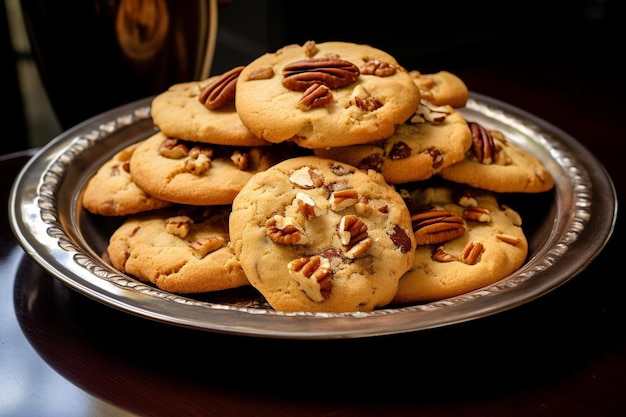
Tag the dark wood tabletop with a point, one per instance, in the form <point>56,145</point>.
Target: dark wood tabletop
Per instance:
<point>563,354</point>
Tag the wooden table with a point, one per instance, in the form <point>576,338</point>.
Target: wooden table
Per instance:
<point>563,354</point>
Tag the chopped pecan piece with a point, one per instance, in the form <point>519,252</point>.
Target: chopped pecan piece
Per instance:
<point>317,95</point>
<point>333,73</point>
<point>205,245</point>
<point>471,252</point>
<point>512,240</point>
<point>341,200</point>
<point>477,214</point>
<point>178,225</point>
<point>367,104</point>
<point>428,112</point>
<point>285,231</point>
<point>173,149</point>
<point>436,226</point>
<point>313,275</point>
<point>352,230</point>
<point>440,255</point>
<point>307,206</point>
<point>307,178</point>
<point>378,68</point>
<point>359,248</point>
<point>310,48</point>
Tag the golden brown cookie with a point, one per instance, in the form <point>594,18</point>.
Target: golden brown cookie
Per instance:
<point>434,138</point>
<point>112,192</point>
<point>197,173</point>
<point>465,240</point>
<point>326,94</point>
<point>441,88</point>
<point>313,234</point>
<point>181,112</point>
<point>181,250</point>
<point>495,164</point>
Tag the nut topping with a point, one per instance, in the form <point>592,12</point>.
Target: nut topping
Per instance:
<point>436,226</point>
<point>342,199</point>
<point>333,73</point>
<point>307,178</point>
<point>221,91</point>
<point>440,255</point>
<point>483,147</point>
<point>205,245</point>
<point>178,225</point>
<point>352,230</point>
<point>313,275</point>
<point>477,214</point>
<point>378,68</point>
<point>285,231</point>
<point>471,252</point>
<point>307,206</point>
<point>317,95</point>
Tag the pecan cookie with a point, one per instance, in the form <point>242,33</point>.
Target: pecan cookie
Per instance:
<point>441,88</point>
<point>203,111</point>
<point>112,192</point>
<point>181,250</point>
<point>325,95</point>
<point>434,138</point>
<point>314,234</point>
<point>465,240</point>
<point>197,173</point>
<point>496,164</point>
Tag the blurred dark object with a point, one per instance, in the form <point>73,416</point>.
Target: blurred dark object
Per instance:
<point>96,55</point>
<point>14,129</point>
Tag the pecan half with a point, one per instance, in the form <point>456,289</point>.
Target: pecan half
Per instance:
<point>483,147</point>
<point>436,226</point>
<point>333,73</point>
<point>221,91</point>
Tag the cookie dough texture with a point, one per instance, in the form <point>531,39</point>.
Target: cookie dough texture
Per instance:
<point>416,151</point>
<point>362,111</point>
<point>447,269</point>
<point>210,175</point>
<point>111,191</point>
<point>313,234</point>
<point>179,113</point>
<point>158,248</point>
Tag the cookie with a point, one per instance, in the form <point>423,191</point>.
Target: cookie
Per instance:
<point>181,250</point>
<point>112,192</point>
<point>465,239</point>
<point>325,95</point>
<point>495,164</point>
<point>435,138</point>
<point>181,112</point>
<point>441,88</point>
<point>313,234</point>
<point>196,173</point>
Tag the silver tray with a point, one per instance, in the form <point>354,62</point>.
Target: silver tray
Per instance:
<point>566,228</point>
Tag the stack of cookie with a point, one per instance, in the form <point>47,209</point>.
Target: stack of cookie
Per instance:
<point>327,177</point>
